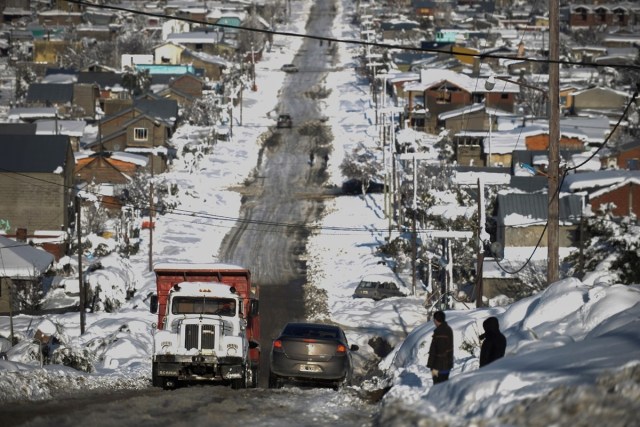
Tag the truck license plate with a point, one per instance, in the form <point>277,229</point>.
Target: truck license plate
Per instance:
<point>309,368</point>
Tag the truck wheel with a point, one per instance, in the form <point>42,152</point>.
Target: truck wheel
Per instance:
<point>255,372</point>
<point>155,380</point>
<point>242,382</point>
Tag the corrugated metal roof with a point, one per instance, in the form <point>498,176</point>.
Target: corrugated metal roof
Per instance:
<point>53,92</point>
<point>535,206</point>
<point>33,153</point>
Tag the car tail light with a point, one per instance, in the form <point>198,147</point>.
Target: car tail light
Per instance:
<point>341,349</point>
<point>277,344</point>
<point>308,340</point>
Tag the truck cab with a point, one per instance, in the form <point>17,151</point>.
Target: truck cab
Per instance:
<point>207,329</point>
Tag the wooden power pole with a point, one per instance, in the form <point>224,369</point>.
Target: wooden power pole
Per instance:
<point>553,227</point>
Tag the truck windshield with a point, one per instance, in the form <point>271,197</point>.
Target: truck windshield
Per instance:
<point>195,305</point>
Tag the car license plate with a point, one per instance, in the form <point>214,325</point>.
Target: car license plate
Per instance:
<point>309,368</point>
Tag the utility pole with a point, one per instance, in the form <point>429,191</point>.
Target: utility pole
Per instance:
<point>553,227</point>
<point>80,276</point>
<point>151,208</point>
<point>480,260</point>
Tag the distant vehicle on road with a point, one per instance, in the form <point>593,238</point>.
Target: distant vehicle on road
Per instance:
<point>289,68</point>
<point>379,286</point>
<point>354,186</point>
<point>284,121</point>
<point>312,353</point>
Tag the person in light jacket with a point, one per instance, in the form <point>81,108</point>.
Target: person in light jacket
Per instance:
<point>494,342</point>
<point>441,351</point>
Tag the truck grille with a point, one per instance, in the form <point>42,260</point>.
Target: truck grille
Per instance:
<point>201,337</point>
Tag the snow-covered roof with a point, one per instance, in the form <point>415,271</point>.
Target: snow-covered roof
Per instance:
<point>595,180</point>
<point>211,37</point>
<point>21,260</point>
<point>21,113</point>
<point>434,76</point>
<point>60,127</point>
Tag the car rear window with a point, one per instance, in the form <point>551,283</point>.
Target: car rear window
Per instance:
<point>310,331</point>
<point>367,285</point>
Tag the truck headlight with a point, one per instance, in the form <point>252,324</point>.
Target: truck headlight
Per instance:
<point>232,349</point>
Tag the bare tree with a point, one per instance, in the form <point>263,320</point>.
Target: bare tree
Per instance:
<point>361,164</point>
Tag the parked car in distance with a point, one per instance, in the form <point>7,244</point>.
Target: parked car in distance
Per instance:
<point>313,353</point>
<point>284,121</point>
<point>289,68</point>
<point>354,186</point>
<point>379,286</point>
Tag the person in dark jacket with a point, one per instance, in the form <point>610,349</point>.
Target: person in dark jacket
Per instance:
<point>494,342</point>
<point>441,351</point>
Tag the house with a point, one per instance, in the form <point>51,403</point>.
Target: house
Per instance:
<point>36,182</point>
<point>143,127</point>
<point>74,129</point>
<point>22,265</point>
<point>75,100</point>
<point>439,91</point>
<point>183,88</point>
<point>198,41</point>
<point>618,190</point>
<point>596,16</point>
<point>49,52</point>
<point>400,30</point>
<point>109,85</point>
<point>601,100</point>
<point>436,10</point>
<point>167,52</point>
<point>213,66</point>
<point>111,171</point>
<point>625,156</point>
<point>521,219</point>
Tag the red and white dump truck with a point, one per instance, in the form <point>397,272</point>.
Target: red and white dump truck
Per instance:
<point>208,325</point>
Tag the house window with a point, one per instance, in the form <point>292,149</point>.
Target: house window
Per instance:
<point>504,96</point>
<point>633,164</point>
<point>444,96</point>
<point>198,46</point>
<point>140,134</point>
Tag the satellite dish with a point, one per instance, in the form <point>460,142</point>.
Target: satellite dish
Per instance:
<point>496,250</point>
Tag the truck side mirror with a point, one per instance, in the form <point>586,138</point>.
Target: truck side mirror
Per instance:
<point>153,304</point>
<point>253,309</point>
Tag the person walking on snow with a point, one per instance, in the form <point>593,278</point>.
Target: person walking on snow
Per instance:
<point>441,351</point>
<point>494,344</point>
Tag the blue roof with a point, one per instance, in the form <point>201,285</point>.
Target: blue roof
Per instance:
<point>167,69</point>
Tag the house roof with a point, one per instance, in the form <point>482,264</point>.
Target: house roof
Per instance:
<point>60,127</point>
<point>33,153</point>
<point>208,58</point>
<point>21,260</point>
<point>161,109</point>
<point>434,76</point>
<point>525,209</point>
<point>17,128</point>
<point>200,37</point>
<point>51,92</point>
<point>104,79</point>
<point>592,181</point>
<point>31,113</point>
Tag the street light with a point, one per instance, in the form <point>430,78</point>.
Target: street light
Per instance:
<point>553,217</point>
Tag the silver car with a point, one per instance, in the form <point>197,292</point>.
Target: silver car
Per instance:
<point>313,353</point>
